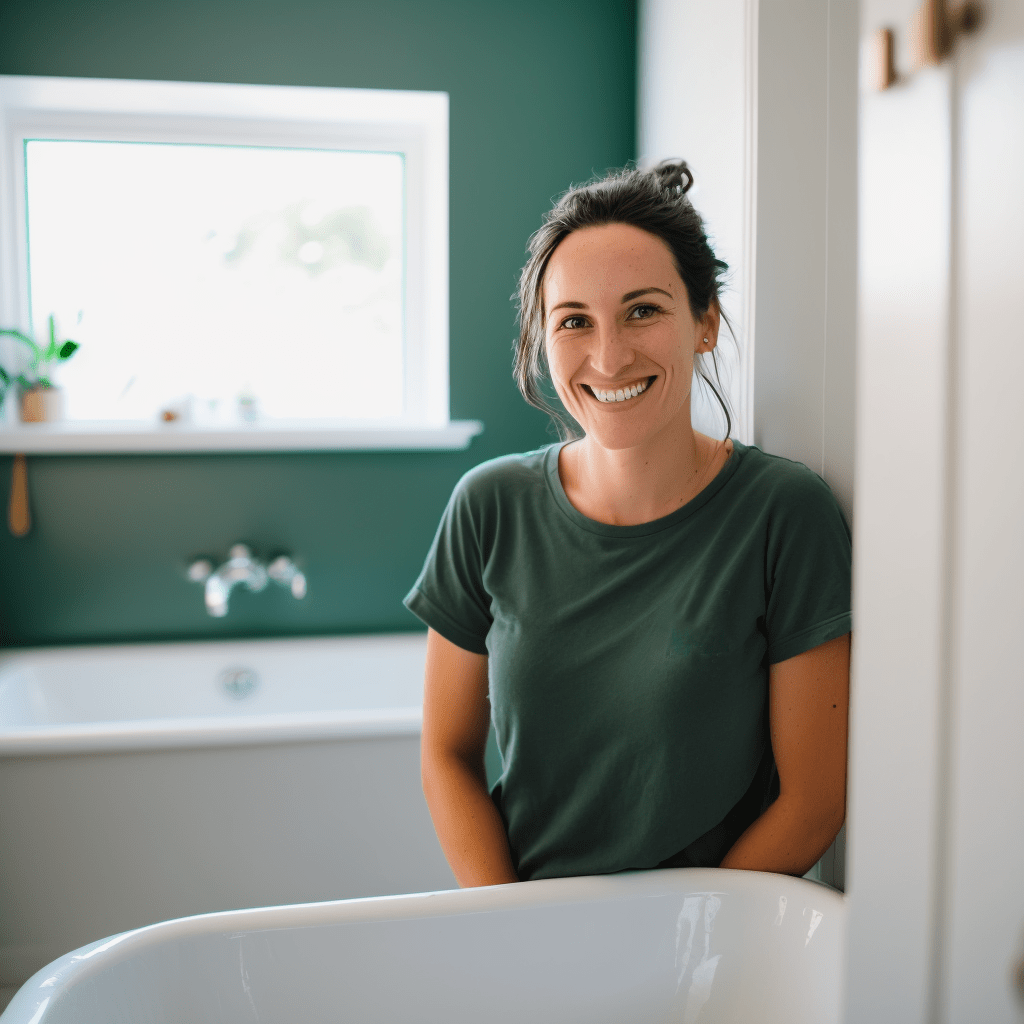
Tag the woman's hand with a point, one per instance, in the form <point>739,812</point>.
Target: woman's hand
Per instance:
<point>809,703</point>
<point>456,716</point>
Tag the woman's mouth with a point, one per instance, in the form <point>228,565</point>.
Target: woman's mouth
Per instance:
<point>623,394</point>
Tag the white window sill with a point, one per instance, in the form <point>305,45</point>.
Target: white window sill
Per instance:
<point>89,437</point>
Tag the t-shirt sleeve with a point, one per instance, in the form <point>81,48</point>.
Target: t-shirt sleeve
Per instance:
<point>807,569</point>
<point>449,595</point>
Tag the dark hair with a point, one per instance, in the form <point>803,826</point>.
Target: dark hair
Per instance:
<point>653,200</point>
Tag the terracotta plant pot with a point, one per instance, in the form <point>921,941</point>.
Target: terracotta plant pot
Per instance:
<point>42,405</point>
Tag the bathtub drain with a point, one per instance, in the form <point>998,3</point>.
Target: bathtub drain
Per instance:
<point>239,682</point>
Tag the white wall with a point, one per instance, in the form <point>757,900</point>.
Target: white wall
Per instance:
<point>761,100</point>
<point>806,235</point>
<point>695,69</point>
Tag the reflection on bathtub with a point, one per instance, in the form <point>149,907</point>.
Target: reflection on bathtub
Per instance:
<point>782,910</point>
<point>696,908</point>
<point>245,980</point>
<point>815,921</point>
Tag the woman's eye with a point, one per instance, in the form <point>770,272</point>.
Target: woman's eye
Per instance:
<point>574,322</point>
<point>643,312</point>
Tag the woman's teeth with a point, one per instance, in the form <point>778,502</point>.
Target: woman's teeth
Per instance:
<point>622,394</point>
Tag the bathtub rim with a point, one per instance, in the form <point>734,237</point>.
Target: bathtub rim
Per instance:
<point>30,1001</point>
<point>191,733</point>
<point>207,731</point>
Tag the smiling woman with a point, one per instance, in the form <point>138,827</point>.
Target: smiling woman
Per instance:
<point>656,620</point>
<point>619,343</point>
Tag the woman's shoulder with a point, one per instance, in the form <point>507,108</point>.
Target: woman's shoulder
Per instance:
<point>506,471</point>
<point>500,480</point>
<point>776,473</point>
<point>779,484</point>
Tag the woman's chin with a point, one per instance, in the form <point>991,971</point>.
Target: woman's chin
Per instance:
<point>618,432</point>
<point>617,436</point>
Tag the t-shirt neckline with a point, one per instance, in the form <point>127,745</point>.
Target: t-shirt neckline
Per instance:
<point>638,529</point>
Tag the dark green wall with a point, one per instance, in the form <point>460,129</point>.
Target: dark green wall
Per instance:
<point>542,94</point>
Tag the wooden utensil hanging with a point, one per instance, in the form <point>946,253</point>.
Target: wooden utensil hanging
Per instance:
<point>18,517</point>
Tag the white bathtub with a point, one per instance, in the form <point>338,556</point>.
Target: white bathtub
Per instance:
<point>682,946</point>
<point>148,782</point>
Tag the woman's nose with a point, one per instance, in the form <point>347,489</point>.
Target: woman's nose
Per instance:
<point>611,352</point>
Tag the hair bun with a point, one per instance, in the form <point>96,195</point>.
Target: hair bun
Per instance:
<point>673,175</point>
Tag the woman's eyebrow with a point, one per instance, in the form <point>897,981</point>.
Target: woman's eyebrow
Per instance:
<point>629,296</point>
<point>568,304</point>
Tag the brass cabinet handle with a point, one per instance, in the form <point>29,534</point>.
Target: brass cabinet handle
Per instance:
<point>18,517</point>
<point>934,29</point>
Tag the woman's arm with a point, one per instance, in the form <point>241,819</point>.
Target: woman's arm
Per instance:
<point>808,700</point>
<point>456,714</point>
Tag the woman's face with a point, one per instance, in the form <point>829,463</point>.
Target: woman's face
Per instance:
<point>619,336</point>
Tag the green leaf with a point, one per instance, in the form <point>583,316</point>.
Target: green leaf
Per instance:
<point>53,333</point>
<point>68,349</point>
<point>5,376</point>
<point>23,338</point>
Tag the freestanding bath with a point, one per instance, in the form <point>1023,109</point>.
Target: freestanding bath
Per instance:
<point>682,946</point>
<point>142,783</point>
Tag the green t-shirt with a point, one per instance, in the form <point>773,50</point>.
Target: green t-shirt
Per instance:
<point>628,665</point>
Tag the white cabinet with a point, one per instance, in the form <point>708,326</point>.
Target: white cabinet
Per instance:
<point>937,790</point>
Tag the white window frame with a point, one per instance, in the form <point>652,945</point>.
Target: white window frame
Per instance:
<point>412,123</point>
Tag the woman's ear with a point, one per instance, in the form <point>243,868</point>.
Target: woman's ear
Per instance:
<point>709,324</point>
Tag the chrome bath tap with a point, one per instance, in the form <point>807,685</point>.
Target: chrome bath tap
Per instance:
<point>242,568</point>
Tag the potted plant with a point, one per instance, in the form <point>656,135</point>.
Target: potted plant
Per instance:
<point>41,399</point>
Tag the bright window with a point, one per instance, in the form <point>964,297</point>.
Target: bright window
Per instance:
<point>269,279</point>
<point>230,254</point>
